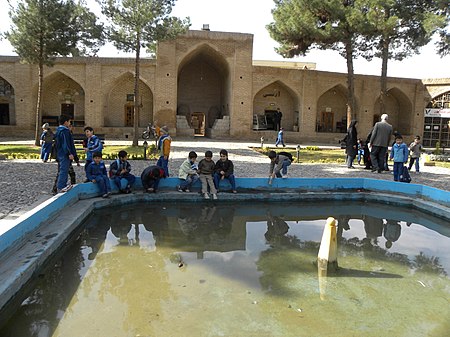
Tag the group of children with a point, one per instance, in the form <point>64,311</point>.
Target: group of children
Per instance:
<point>209,173</point>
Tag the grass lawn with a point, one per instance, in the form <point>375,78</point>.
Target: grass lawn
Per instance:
<point>310,154</point>
<point>109,152</point>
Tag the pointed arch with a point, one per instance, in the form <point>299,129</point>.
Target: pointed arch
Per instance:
<point>120,102</point>
<point>399,109</point>
<point>204,86</point>
<point>274,96</point>
<point>331,114</point>
<point>440,100</point>
<point>62,95</point>
<point>7,103</point>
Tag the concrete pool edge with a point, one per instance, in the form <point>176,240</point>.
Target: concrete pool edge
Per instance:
<point>36,243</point>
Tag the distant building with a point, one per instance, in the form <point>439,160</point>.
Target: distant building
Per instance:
<point>206,83</point>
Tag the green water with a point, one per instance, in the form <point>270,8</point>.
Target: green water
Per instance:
<point>245,270</point>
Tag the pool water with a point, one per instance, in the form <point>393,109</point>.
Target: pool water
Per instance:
<point>246,269</point>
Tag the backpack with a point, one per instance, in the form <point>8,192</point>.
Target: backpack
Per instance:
<point>287,154</point>
<point>48,137</point>
<point>54,149</point>
<point>111,175</point>
<point>405,177</point>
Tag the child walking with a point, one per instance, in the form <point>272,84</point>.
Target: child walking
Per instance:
<point>120,169</point>
<point>415,149</point>
<point>280,139</point>
<point>206,169</point>
<point>46,142</point>
<point>188,173</point>
<point>96,172</point>
<point>399,153</point>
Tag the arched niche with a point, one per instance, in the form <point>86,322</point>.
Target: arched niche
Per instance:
<point>331,113</point>
<point>277,95</point>
<point>62,95</point>
<point>7,103</point>
<point>399,109</point>
<point>203,87</point>
<point>120,103</point>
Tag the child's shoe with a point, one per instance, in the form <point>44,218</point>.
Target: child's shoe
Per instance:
<point>205,195</point>
<point>106,195</point>
<point>179,189</point>
<point>214,196</point>
<point>187,190</point>
<point>284,176</point>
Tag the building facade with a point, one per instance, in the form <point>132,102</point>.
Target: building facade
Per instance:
<point>206,83</point>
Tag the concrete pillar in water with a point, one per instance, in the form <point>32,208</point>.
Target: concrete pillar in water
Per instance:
<point>327,257</point>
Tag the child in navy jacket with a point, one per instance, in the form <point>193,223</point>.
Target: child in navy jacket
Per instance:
<point>399,153</point>
<point>96,172</point>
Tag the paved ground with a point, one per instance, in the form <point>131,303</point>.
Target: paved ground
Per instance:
<point>24,184</point>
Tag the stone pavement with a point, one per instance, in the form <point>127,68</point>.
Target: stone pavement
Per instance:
<point>26,183</point>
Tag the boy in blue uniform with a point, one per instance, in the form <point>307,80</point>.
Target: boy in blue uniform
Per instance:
<point>120,169</point>
<point>399,153</point>
<point>93,145</point>
<point>65,152</point>
<point>96,172</point>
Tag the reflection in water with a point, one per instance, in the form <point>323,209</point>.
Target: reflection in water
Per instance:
<point>227,269</point>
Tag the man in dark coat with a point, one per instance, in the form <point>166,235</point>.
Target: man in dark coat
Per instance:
<point>381,136</point>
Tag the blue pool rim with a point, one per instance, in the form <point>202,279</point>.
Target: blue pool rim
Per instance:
<point>51,223</point>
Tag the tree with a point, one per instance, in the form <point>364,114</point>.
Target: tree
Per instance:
<point>44,29</point>
<point>334,24</point>
<point>140,24</point>
<point>400,28</point>
<point>443,45</point>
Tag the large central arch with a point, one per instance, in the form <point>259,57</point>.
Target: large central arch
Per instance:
<point>203,89</point>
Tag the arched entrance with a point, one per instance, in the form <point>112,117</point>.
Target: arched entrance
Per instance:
<point>120,103</point>
<point>332,111</point>
<point>399,108</point>
<point>62,95</point>
<point>203,89</point>
<point>7,106</point>
<point>270,99</point>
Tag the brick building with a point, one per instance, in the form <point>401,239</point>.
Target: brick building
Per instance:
<point>206,83</point>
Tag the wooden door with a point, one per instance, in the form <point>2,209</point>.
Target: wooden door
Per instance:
<point>129,115</point>
<point>327,121</point>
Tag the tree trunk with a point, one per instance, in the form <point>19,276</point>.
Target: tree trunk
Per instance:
<point>136,91</point>
<point>37,133</point>
<point>383,79</point>
<point>351,104</point>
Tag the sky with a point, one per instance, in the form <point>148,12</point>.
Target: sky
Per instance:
<point>252,16</point>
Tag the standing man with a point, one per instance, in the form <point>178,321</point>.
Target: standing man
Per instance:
<point>381,136</point>
<point>277,119</point>
<point>65,152</point>
<point>164,142</point>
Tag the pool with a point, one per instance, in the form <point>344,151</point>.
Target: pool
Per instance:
<point>244,269</point>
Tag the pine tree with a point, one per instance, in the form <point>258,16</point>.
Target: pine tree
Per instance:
<point>45,29</point>
<point>140,24</point>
